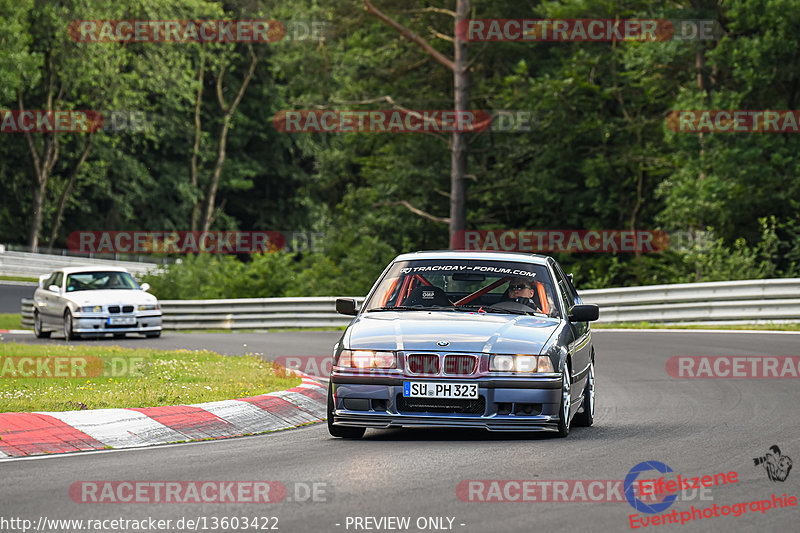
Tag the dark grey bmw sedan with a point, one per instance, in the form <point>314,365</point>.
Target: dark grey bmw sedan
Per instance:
<point>492,340</point>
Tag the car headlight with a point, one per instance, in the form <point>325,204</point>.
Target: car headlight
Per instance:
<point>92,309</point>
<point>148,307</point>
<point>520,363</point>
<point>365,359</point>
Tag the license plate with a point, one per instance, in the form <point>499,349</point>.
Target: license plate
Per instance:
<point>421,389</point>
<point>122,321</point>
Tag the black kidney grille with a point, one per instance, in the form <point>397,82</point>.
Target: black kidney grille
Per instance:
<point>423,363</point>
<point>460,364</point>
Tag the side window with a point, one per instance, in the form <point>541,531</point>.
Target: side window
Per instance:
<point>571,287</point>
<point>567,298</point>
<point>58,279</point>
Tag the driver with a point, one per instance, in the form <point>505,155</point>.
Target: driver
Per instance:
<point>521,290</point>
<point>115,282</point>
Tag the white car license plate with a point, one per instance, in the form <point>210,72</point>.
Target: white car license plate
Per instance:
<point>122,321</point>
<point>421,389</point>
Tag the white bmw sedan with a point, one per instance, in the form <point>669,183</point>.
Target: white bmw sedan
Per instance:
<point>94,301</point>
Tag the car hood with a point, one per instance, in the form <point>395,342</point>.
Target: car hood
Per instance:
<point>464,332</point>
<point>111,296</point>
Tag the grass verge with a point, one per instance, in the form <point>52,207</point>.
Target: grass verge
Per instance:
<point>10,321</point>
<point>18,278</point>
<point>652,325</point>
<point>124,377</point>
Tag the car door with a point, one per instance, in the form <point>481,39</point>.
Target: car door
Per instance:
<point>581,348</point>
<point>43,300</point>
<point>54,300</point>
<point>59,299</point>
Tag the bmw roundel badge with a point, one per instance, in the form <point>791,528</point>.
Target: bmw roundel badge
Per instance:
<point>443,343</point>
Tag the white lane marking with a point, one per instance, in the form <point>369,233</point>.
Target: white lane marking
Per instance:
<point>120,428</point>
<point>245,417</point>
<point>686,330</point>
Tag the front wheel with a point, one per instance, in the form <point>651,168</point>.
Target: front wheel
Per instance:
<point>566,403</point>
<point>154,335</point>
<point>586,417</point>
<point>37,327</point>
<point>69,334</point>
<point>339,431</point>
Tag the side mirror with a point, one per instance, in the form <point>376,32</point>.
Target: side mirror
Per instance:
<point>145,287</point>
<point>584,313</point>
<point>346,306</point>
<point>54,288</point>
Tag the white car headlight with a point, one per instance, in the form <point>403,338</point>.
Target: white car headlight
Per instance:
<point>148,307</point>
<point>92,309</point>
<point>366,359</point>
<point>502,363</point>
<point>520,363</point>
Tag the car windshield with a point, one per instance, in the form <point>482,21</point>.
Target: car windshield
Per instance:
<point>464,284</point>
<point>92,281</point>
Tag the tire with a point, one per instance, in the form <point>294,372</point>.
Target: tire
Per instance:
<point>586,417</point>
<point>37,327</point>
<point>119,335</point>
<point>566,403</point>
<point>153,335</point>
<point>339,431</point>
<point>69,334</point>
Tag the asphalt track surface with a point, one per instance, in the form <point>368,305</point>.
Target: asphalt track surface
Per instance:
<point>697,427</point>
<point>11,294</point>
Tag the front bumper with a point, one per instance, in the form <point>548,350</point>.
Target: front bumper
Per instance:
<point>504,404</point>
<point>146,322</point>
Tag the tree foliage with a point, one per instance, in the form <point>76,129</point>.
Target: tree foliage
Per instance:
<point>600,154</point>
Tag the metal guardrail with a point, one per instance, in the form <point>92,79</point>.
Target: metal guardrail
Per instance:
<point>718,302</point>
<point>249,313</point>
<point>34,265</point>
<point>253,313</point>
<point>723,302</point>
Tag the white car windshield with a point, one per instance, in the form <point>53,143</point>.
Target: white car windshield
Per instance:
<point>487,286</point>
<point>92,281</point>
